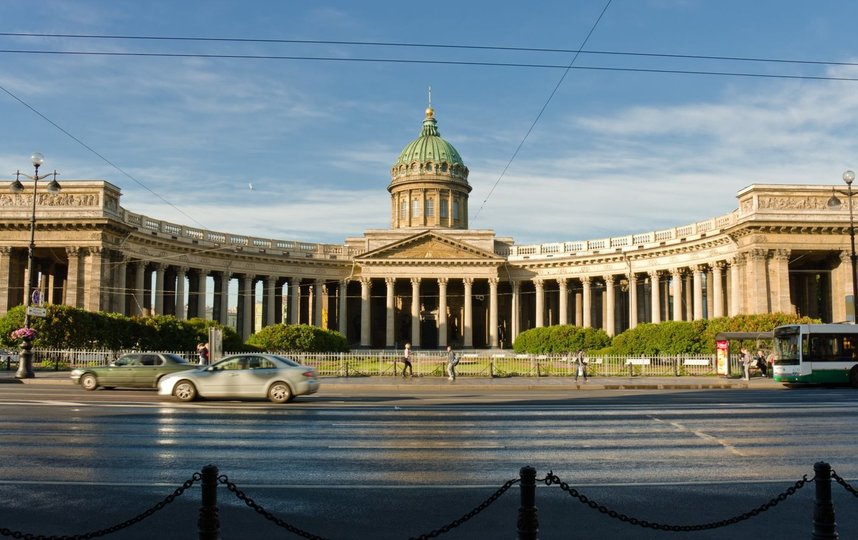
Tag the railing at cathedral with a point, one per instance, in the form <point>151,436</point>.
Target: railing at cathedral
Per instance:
<point>632,241</point>
<point>285,247</point>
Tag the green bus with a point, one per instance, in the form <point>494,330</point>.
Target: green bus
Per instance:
<point>816,354</point>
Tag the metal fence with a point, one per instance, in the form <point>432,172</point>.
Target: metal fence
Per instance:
<point>374,363</point>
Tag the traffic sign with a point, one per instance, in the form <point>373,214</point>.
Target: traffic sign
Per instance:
<point>34,311</point>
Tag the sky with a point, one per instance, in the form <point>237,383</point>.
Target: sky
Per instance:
<point>674,107</point>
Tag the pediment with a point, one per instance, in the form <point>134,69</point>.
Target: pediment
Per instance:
<point>429,246</point>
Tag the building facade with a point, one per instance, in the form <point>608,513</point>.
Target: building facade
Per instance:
<point>429,279</point>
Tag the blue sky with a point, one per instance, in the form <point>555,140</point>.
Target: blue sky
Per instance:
<point>614,152</point>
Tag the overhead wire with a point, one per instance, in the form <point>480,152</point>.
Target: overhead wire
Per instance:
<point>542,110</point>
<point>430,46</point>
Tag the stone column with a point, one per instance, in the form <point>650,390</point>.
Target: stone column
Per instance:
<point>121,283</point>
<point>610,308</point>
<point>270,301</point>
<point>655,297</point>
<point>469,313</point>
<point>516,299</point>
<point>160,268</point>
<point>365,286</point>
<point>697,277</point>
<point>579,308</point>
<point>295,301</point>
<point>562,285</point>
<point>202,293</point>
<point>676,273</point>
<point>756,282</point>
<point>139,295</point>
<point>415,312</point>
<point>223,312</point>
<point>493,313</point>
<point>717,289</point>
<point>7,299</point>
<point>539,285</point>
<point>318,304</point>
<point>343,298</point>
<point>247,304</point>
<point>735,304</point>
<point>181,308</point>
<point>390,312</point>
<point>781,301</point>
<point>442,312</point>
<point>633,301</point>
<point>587,301</point>
<point>93,279</point>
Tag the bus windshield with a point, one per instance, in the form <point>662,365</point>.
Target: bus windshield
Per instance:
<point>787,348</point>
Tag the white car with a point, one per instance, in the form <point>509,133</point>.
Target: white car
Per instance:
<point>251,375</point>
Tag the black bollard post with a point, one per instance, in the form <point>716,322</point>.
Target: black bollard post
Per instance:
<point>528,522</point>
<point>824,526</point>
<point>208,523</point>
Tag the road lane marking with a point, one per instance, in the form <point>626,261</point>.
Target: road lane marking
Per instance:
<point>705,436</point>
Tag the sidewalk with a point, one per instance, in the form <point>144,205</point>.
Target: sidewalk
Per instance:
<point>483,384</point>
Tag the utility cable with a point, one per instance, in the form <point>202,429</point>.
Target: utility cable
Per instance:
<point>542,110</point>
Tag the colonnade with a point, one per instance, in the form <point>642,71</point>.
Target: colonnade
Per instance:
<point>479,311</point>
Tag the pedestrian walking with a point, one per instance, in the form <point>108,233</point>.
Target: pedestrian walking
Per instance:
<point>761,363</point>
<point>203,353</point>
<point>452,362</point>
<point>580,365</point>
<point>746,364</point>
<point>406,361</point>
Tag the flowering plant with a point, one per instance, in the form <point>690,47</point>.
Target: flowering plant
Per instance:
<point>26,334</point>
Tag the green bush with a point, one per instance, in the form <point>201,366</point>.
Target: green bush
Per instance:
<point>66,327</point>
<point>299,338</point>
<point>560,339</point>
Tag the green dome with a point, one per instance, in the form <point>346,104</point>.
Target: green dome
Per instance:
<point>429,146</point>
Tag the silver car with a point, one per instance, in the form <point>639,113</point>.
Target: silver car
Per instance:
<point>251,375</point>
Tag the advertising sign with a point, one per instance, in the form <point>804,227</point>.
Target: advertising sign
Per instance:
<point>722,357</point>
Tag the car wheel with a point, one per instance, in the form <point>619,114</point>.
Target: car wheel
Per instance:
<point>185,391</point>
<point>88,381</point>
<point>280,393</point>
<point>853,377</point>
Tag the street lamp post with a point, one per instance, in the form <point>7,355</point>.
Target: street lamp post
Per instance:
<point>25,365</point>
<point>834,204</point>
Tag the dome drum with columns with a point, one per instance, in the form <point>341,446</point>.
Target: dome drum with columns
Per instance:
<point>429,279</point>
<point>429,183</point>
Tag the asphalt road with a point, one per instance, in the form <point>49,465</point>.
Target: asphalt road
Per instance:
<point>397,464</point>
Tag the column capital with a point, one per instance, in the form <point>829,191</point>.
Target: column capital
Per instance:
<point>757,254</point>
<point>538,282</point>
<point>73,251</point>
<point>609,279</point>
<point>182,269</point>
<point>443,281</point>
<point>494,281</point>
<point>7,250</point>
<point>390,280</point>
<point>415,281</point>
<point>781,254</point>
<point>586,280</point>
<point>719,265</point>
<point>366,282</point>
<point>468,281</point>
<point>654,274</point>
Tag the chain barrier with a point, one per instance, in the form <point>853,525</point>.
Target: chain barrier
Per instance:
<point>552,479</point>
<point>223,479</point>
<point>840,480</point>
<point>124,525</point>
<point>479,508</point>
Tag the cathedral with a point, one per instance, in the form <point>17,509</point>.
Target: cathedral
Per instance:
<point>429,279</point>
